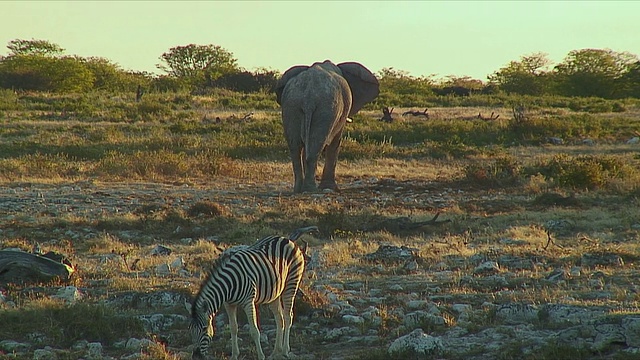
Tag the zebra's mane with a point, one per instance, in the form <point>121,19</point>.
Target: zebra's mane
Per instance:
<point>224,258</point>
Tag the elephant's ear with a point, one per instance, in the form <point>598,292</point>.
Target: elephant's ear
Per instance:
<point>364,85</point>
<point>288,75</point>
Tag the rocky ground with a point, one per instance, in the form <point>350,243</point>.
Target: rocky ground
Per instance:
<point>484,298</point>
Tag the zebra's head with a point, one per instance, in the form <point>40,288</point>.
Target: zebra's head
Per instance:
<point>202,332</point>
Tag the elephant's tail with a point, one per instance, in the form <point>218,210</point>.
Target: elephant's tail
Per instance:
<point>306,131</point>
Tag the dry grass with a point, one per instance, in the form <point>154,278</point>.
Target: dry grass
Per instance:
<point>201,187</point>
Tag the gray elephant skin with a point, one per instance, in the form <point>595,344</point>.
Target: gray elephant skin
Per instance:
<point>316,101</point>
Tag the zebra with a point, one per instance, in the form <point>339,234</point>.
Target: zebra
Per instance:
<point>267,272</point>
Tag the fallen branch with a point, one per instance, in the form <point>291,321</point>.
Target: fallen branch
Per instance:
<point>22,267</point>
<point>550,241</point>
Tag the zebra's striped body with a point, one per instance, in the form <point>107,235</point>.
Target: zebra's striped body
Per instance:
<point>267,272</point>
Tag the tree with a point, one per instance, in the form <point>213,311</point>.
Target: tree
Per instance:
<point>37,72</point>
<point>527,76</point>
<point>400,82</point>
<point>34,47</point>
<point>630,82</point>
<point>198,63</point>
<point>109,76</point>
<point>246,81</point>
<point>593,72</point>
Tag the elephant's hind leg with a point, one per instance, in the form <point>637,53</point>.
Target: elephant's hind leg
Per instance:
<point>310,164</point>
<point>328,180</point>
<point>298,169</point>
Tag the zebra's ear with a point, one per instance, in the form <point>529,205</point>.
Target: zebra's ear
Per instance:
<point>188,306</point>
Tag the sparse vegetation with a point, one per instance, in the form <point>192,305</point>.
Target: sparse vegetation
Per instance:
<point>103,180</point>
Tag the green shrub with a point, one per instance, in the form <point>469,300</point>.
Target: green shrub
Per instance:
<point>584,172</point>
<point>148,110</point>
<point>9,100</point>
<point>501,171</point>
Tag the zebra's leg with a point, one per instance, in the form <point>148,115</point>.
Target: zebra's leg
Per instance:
<point>233,325</point>
<point>250,310</point>
<point>276,309</point>
<point>287,301</point>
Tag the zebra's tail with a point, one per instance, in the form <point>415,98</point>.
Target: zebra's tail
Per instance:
<point>295,235</point>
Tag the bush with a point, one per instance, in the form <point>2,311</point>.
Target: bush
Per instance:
<point>148,110</point>
<point>32,72</point>
<point>501,171</point>
<point>9,100</point>
<point>583,172</point>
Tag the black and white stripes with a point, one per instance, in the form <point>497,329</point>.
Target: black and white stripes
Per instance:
<point>267,272</point>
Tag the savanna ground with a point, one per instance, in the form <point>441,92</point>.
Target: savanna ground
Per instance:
<point>103,179</point>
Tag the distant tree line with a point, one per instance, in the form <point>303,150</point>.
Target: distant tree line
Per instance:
<point>583,73</point>
<point>600,73</point>
<point>41,65</point>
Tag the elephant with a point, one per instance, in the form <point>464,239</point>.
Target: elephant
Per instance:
<point>316,102</point>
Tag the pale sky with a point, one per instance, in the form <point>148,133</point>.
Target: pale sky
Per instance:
<point>461,38</point>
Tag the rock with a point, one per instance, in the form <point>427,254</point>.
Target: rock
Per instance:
<point>138,344</point>
<point>154,300</point>
<point>11,346</point>
<point>631,330</point>
<point>461,308</point>
<point>441,266</point>
<point>38,338</point>
<point>69,294</point>
<point>487,267</point>
<point>372,315</point>
<point>336,334</point>
<point>390,254</point>
<point>80,345</point>
<point>94,351</point>
<point>412,266</point>
<point>163,270</point>
<point>346,308</point>
<point>157,323</point>
<point>517,313</point>
<point>161,250</point>
<point>422,318</point>
<point>588,142</point>
<point>557,275</point>
<point>633,141</point>
<point>555,140</point>
<point>416,343</point>
<point>418,304</point>
<point>575,271</point>
<point>575,337</point>
<point>607,335</point>
<point>351,319</point>
<point>562,314</point>
<point>44,354</point>
<point>177,263</point>
<point>5,302</point>
<point>596,284</point>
